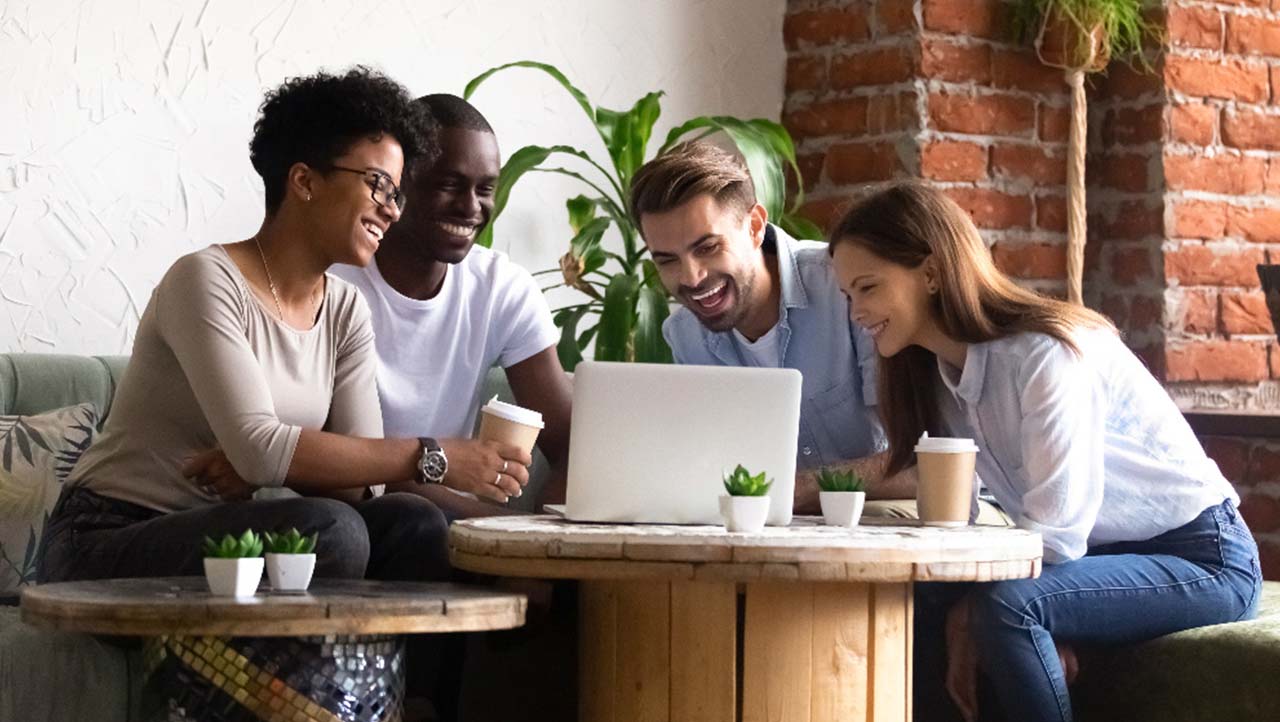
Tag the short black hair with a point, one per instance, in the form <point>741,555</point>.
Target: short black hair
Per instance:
<point>315,119</point>
<point>450,111</point>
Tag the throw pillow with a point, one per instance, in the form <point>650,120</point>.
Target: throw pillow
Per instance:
<point>36,456</point>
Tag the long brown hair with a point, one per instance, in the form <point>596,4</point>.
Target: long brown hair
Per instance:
<point>907,223</point>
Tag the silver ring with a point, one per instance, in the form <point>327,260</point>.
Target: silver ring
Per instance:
<point>497,478</point>
<point>504,466</point>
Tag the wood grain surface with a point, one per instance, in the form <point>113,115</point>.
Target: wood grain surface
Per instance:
<point>807,550</point>
<point>183,605</point>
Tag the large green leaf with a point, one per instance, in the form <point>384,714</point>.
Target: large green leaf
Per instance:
<point>756,148</point>
<point>617,318</point>
<point>586,245</point>
<point>551,70</point>
<point>799,227</point>
<point>651,310</point>
<point>522,161</point>
<point>626,134</point>
<point>567,349</point>
<point>581,210</point>
<point>780,142</point>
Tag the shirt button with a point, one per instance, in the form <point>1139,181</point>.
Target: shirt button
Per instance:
<point>807,451</point>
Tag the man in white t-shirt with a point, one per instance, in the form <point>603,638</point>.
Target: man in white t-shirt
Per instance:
<point>444,312</point>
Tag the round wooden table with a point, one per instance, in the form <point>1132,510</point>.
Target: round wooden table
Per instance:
<point>332,653</point>
<point>692,624</point>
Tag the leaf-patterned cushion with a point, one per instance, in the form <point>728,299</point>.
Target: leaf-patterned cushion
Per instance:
<point>36,455</point>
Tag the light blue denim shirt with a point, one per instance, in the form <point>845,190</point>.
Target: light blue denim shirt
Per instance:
<point>836,357</point>
<point>1085,449</point>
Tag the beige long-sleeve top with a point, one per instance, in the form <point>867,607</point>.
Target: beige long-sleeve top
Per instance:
<point>211,366</point>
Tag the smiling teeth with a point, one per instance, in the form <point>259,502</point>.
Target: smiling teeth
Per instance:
<point>375,231</point>
<point>708,294</point>
<point>876,329</point>
<point>457,230</point>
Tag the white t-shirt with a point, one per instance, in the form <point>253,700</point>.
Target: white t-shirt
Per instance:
<point>763,352</point>
<point>433,355</point>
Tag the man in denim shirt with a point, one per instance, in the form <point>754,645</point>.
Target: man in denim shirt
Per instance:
<point>754,296</point>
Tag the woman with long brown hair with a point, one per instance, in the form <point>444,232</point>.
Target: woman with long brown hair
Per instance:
<point>1077,442</point>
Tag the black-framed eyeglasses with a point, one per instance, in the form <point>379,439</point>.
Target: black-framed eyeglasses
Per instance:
<point>384,191</point>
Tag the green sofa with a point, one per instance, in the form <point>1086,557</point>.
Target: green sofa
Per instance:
<point>1226,672</point>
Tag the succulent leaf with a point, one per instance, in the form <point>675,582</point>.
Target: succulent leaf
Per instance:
<point>741,482</point>
<point>838,480</point>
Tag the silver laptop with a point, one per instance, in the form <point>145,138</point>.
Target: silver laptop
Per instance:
<point>650,442</point>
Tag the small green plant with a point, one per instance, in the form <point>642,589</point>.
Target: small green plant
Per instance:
<point>247,546</point>
<point>1124,25</point>
<point>835,480</point>
<point>290,542</point>
<point>740,482</point>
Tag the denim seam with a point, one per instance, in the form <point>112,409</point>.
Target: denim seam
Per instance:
<point>1063,711</point>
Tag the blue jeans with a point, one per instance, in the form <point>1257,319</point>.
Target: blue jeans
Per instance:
<point>1204,572</point>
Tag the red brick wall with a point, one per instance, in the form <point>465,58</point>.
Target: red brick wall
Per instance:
<point>1183,176</point>
<point>1221,177</point>
<point>878,89</point>
<point>1221,167</point>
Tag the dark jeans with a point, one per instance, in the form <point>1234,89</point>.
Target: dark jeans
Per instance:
<point>1205,572</point>
<point>399,537</point>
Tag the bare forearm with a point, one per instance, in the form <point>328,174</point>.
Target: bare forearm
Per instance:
<point>455,506</point>
<point>871,468</point>
<point>324,462</point>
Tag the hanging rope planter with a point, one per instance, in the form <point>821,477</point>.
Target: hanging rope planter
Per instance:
<point>1064,42</point>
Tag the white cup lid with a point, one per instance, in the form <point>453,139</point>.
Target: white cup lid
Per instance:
<point>511,412</point>
<point>944,445</point>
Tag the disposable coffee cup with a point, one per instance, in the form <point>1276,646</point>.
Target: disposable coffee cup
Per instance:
<point>944,489</point>
<point>510,424</point>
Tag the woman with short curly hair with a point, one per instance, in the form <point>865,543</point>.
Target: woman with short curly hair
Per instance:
<point>253,368</point>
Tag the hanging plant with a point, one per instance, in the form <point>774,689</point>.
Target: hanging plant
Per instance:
<point>1081,37</point>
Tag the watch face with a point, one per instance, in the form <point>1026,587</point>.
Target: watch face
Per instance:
<point>434,466</point>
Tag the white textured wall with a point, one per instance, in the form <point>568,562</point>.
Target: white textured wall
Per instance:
<point>125,123</point>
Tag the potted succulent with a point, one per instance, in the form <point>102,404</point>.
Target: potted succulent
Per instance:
<point>842,496</point>
<point>233,566</point>
<point>746,506</point>
<point>291,559</point>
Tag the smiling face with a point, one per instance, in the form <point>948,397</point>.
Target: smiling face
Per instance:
<point>451,200</point>
<point>709,259</point>
<point>892,302</point>
<point>344,216</point>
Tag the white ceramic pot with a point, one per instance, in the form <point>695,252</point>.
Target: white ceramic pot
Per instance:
<point>842,508</point>
<point>744,513</point>
<point>233,577</point>
<point>290,572</point>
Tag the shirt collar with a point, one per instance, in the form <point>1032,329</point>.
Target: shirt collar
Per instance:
<point>968,387</point>
<point>792,293</point>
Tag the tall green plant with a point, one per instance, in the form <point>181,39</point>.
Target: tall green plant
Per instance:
<point>626,302</point>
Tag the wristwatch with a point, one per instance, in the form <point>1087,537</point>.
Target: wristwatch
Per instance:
<point>433,464</point>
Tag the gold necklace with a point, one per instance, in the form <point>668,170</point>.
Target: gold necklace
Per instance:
<point>275,295</point>
<point>270,282</point>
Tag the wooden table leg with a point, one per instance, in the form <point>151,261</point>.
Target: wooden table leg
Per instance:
<point>653,651</point>
<point>822,652</point>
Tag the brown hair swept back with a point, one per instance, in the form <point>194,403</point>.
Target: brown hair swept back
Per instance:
<point>907,223</point>
<point>689,170</point>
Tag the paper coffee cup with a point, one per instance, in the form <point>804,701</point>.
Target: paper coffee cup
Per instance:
<point>944,488</point>
<point>510,424</point>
